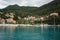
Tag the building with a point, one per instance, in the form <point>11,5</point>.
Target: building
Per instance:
<point>2,21</point>
<point>10,20</point>
<point>11,15</point>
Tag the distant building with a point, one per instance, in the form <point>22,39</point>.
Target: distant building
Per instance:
<point>2,21</point>
<point>11,15</point>
<point>54,14</point>
<point>19,17</point>
<point>8,15</point>
<point>14,22</point>
<point>10,20</point>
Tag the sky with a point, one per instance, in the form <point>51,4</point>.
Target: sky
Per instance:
<point>36,3</point>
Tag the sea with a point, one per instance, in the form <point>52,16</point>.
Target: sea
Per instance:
<point>30,33</point>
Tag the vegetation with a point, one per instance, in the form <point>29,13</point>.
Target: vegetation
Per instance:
<point>47,9</point>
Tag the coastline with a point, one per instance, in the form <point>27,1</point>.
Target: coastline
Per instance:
<point>37,25</point>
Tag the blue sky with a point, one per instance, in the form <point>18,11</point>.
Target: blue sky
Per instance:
<point>37,3</point>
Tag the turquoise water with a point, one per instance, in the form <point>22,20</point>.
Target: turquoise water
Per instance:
<point>30,33</point>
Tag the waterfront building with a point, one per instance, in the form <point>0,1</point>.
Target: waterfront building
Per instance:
<point>2,21</point>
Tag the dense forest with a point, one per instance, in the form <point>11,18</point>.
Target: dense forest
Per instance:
<point>51,7</point>
<point>19,10</point>
<point>46,9</point>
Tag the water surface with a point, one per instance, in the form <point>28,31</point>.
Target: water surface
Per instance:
<point>30,33</point>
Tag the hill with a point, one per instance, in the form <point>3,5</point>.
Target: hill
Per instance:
<point>24,11</point>
<point>46,9</point>
<point>19,10</point>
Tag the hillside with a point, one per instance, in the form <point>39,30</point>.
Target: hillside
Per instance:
<point>53,6</point>
<point>46,9</point>
<point>19,10</point>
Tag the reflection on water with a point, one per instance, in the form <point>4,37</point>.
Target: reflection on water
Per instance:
<point>30,33</point>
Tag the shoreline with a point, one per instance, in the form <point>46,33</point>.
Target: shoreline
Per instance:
<point>27,25</point>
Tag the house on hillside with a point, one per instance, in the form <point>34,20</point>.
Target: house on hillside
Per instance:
<point>8,15</point>
<point>11,15</point>
<point>2,21</point>
<point>10,20</point>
